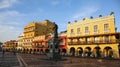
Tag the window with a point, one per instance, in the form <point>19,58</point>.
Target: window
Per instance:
<point>106,38</point>
<point>106,27</point>
<point>96,39</point>
<point>78,30</point>
<point>95,29</point>
<point>62,42</point>
<point>71,40</point>
<point>86,30</point>
<point>87,40</point>
<point>36,34</point>
<point>72,32</point>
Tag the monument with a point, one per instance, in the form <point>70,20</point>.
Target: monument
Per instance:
<point>54,53</point>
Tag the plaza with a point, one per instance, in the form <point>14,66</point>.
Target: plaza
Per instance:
<point>37,60</point>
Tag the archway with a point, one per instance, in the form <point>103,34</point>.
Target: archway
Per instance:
<point>41,51</point>
<point>108,52</point>
<point>30,51</point>
<point>24,50</point>
<point>46,50</point>
<point>97,51</point>
<point>34,51</point>
<point>64,51</point>
<point>72,51</point>
<point>37,49</point>
<point>80,51</point>
<point>119,49</point>
<point>87,51</point>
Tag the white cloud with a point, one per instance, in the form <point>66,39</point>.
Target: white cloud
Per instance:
<point>87,11</point>
<point>55,2</point>
<point>7,3</point>
<point>9,25</point>
<point>60,2</point>
<point>11,15</point>
<point>8,33</point>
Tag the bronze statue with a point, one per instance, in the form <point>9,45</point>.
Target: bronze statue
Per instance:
<point>55,37</point>
<point>55,30</point>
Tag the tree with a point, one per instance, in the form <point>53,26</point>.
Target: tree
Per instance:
<point>1,43</point>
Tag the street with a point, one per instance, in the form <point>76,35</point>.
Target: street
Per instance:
<point>8,60</point>
<point>33,60</point>
<point>42,61</point>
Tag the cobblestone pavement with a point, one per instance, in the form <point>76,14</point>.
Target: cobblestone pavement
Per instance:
<point>31,60</point>
<point>8,60</point>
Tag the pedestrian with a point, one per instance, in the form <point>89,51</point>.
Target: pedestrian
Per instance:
<point>14,51</point>
<point>3,50</point>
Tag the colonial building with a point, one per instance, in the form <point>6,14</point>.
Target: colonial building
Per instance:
<point>63,42</point>
<point>41,43</point>
<point>36,30</point>
<point>10,45</point>
<point>20,41</point>
<point>96,37</point>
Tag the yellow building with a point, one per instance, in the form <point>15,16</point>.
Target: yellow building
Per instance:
<point>35,29</point>
<point>20,41</point>
<point>94,37</point>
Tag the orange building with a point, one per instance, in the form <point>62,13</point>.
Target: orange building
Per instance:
<point>40,43</point>
<point>10,45</point>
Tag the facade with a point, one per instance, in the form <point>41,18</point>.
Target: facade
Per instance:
<point>94,37</point>
<point>35,30</point>
<point>63,42</point>
<point>20,41</point>
<point>10,45</point>
<point>41,43</point>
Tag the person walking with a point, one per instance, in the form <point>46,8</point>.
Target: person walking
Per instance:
<point>3,50</point>
<point>14,51</point>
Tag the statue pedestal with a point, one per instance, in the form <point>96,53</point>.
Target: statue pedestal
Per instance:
<point>54,54</point>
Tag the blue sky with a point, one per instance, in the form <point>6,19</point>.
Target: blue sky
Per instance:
<point>15,14</point>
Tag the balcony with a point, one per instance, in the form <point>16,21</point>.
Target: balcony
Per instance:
<point>94,42</point>
<point>46,46</point>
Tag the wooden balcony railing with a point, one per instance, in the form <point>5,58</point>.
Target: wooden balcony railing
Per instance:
<point>94,42</point>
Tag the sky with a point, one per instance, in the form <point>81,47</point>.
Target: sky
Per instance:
<point>15,14</point>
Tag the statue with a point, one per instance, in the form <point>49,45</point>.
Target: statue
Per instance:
<point>55,29</point>
<point>55,37</point>
<point>54,44</point>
